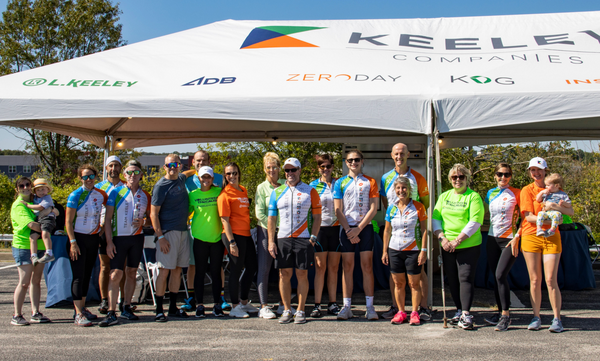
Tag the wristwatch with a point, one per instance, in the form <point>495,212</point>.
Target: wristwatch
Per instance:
<point>232,243</point>
<point>313,238</point>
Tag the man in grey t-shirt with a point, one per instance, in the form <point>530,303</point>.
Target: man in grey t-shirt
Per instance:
<point>169,212</point>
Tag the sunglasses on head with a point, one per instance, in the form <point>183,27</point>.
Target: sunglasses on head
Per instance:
<point>173,165</point>
<point>291,170</point>
<point>455,177</point>
<point>130,172</point>
<point>505,175</point>
<point>24,185</point>
<point>328,166</point>
<point>232,173</point>
<point>353,160</point>
<point>90,177</point>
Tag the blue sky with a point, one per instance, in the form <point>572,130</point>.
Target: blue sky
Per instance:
<point>147,19</point>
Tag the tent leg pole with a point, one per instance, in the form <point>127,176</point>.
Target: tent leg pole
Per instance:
<point>430,169</point>
<point>106,144</point>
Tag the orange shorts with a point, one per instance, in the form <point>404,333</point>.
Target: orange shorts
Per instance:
<point>543,245</point>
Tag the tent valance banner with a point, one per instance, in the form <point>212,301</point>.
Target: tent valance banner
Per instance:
<point>475,80</point>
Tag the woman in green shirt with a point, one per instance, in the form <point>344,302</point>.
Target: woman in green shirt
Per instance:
<point>206,230</point>
<point>272,167</point>
<point>457,219</point>
<point>23,222</point>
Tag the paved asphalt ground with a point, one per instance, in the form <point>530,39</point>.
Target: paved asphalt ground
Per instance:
<point>319,339</point>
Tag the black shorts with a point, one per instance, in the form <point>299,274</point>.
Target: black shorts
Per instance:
<point>47,224</point>
<point>328,240</point>
<point>404,262</point>
<point>130,248</point>
<point>294,253</point>
<point>102,248</point>
<point>367,239</point>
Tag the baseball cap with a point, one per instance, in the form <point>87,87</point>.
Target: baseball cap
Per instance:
<point>293,162</point>
<point>112,158</point>
<point>205,170</point>
<point>538,163</point>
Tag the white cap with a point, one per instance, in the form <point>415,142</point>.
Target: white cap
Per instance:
<point>112,158</point>
<point>538,163</point>
<point>293,162</point>
<point>205,170</point>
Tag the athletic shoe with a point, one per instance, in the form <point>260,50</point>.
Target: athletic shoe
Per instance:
<point>90,316</point>
<point>281,309</point>
<point>503,324</point>
<point>224,305</point>
<point>399,318</point>
<point>200,312</point>
<point>493,319</point>
<point>81,320</point>
<point>390,313</point>
<point>111,319</point>
<point>248,308</point>
<point>316,312</point>
<point>238,311</point>
<point>300,317</point>
<point>179,314</point>
<point>38,317</point>
<point>371,315</point>
<point>128,314</point>
<point>267,313</point>
<point>415,320</point>
<point>345,313</point>
<point>46,258</point>
<point>540,232</point>
<point>550,232</point>
<point>466,322</point>
<point>286,317</point>
<point>189,304</point>
<point>34,259</point>
<point>535,324</point>
<point>19,320</point>
<point>103,308</point>
<point>454,320</point>
<point>425,313</point>
<point>333,309</point>
<point>160,317</point>
<point>218,311</point>
<point>556,326</point>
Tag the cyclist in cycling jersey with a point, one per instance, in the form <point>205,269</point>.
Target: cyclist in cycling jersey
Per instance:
<point>84,207</point>
<point>126,209</point>
<point>355,200</point>
<point>298,207</point>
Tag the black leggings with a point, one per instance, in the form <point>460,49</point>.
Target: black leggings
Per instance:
<point>84,264</point>
<point>500,261</point>
<point>460,267</point>
<point>247,258</point>
<point>203,251</point>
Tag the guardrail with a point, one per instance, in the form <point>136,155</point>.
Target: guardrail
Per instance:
<point>6,238</point>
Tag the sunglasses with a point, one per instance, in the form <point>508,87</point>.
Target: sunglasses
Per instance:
<point>130,172</point>
<point>455,177</point>
<point>353,160</point>
<point>232,173</point>
<point>291,170</point>
<point>505,175</point>
<point>90,177</point>
<point>328,166</point>
<point>24,185</point>
<point>173,165</point>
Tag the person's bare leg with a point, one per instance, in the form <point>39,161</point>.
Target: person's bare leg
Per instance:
<point>25,272</point>
<point>320,269</point>
<point>161,282</point>
<point>113,288</point>
<point>534,267</point>
<point>550,272</point>
<point>285,287</point>
<point>400,292</point>
<point>393,292</point>
<point>348,274</point>
<point>129,289</point>
<point>175,280</point>
<point>35,288</point>
<point>414,281</point>
<point>191,275</point>
<point>424,285</point>
<point>366,264</point>
<point>333,265</point>
<point>302,276</point>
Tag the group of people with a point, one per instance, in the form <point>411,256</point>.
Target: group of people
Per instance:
<point>199,215</point>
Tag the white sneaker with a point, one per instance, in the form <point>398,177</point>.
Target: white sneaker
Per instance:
<point>345,313</point>
<point>239,312</point>
<point>249,308</point>
<point>267,313</point>
<point>371,314</point>
<point>280,310</point>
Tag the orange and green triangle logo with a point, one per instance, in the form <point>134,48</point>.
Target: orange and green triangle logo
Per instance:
<point>277,37</point>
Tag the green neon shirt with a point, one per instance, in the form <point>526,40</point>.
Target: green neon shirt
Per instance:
<point>455,211</point>
<point>206,223</point>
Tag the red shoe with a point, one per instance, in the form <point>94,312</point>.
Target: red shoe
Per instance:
<point>399,318</point>
<point>415,320</point>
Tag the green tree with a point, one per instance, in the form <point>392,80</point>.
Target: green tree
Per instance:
<point>42,32</point>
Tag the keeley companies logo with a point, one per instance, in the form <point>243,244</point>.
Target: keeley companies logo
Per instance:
<point>75,83</point>
<point>480,79</point>
<point>277,37</point>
